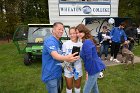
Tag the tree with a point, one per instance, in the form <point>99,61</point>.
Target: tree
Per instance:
<point>130,8</point>
<point>15,12</point>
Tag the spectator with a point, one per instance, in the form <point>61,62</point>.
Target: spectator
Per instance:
<point>51,57</point>
<point>138,33</point>
<point>131,33</point>
<point>104,38</point>
<point>117,37</point>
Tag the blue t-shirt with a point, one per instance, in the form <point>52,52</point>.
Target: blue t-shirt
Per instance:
<point>50,69</point>
<point>92,63</point>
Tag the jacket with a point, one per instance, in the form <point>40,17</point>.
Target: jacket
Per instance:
<point>92,63</point>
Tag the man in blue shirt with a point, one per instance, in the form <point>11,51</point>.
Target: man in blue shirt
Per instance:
<point>52,56</point>
<point>116,34</point>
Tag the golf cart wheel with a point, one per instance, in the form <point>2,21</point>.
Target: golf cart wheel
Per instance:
<point>27,59</point>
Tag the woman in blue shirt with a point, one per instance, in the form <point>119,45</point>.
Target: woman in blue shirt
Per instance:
<point>92,63</point>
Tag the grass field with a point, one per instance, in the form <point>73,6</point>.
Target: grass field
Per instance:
<point>15,77</point>
<point>136,50</point>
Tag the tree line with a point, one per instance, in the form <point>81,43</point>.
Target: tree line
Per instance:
<point>17,12</point>
<point>131,9</point>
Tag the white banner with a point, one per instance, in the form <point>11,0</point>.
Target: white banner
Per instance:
<point>76,9</point>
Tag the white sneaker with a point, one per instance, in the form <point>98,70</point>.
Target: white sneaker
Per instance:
<point>115,60</point>
<point>111,59</point>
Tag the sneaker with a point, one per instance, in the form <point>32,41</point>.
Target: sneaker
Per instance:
<point>111,59</point>
<point>115,60</point>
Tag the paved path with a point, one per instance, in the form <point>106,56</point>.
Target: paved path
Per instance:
<point>119,57</point>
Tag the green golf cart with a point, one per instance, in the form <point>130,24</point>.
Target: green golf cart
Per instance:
<point>29,40</point>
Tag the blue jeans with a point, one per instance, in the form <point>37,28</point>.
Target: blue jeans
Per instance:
<point>104,48</point>
<point>53,85</point>
<point>91,85</point>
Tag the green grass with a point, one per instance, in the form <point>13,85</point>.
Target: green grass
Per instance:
<point>15,77</point>
<point>118,80</point>
<point>136,50</point>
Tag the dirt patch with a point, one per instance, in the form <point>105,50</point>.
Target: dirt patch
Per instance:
<point>4,41</point>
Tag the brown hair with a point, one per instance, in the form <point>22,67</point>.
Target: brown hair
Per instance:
<point>104,27</point>
<point>82,29</point>
<point>123,24</point>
